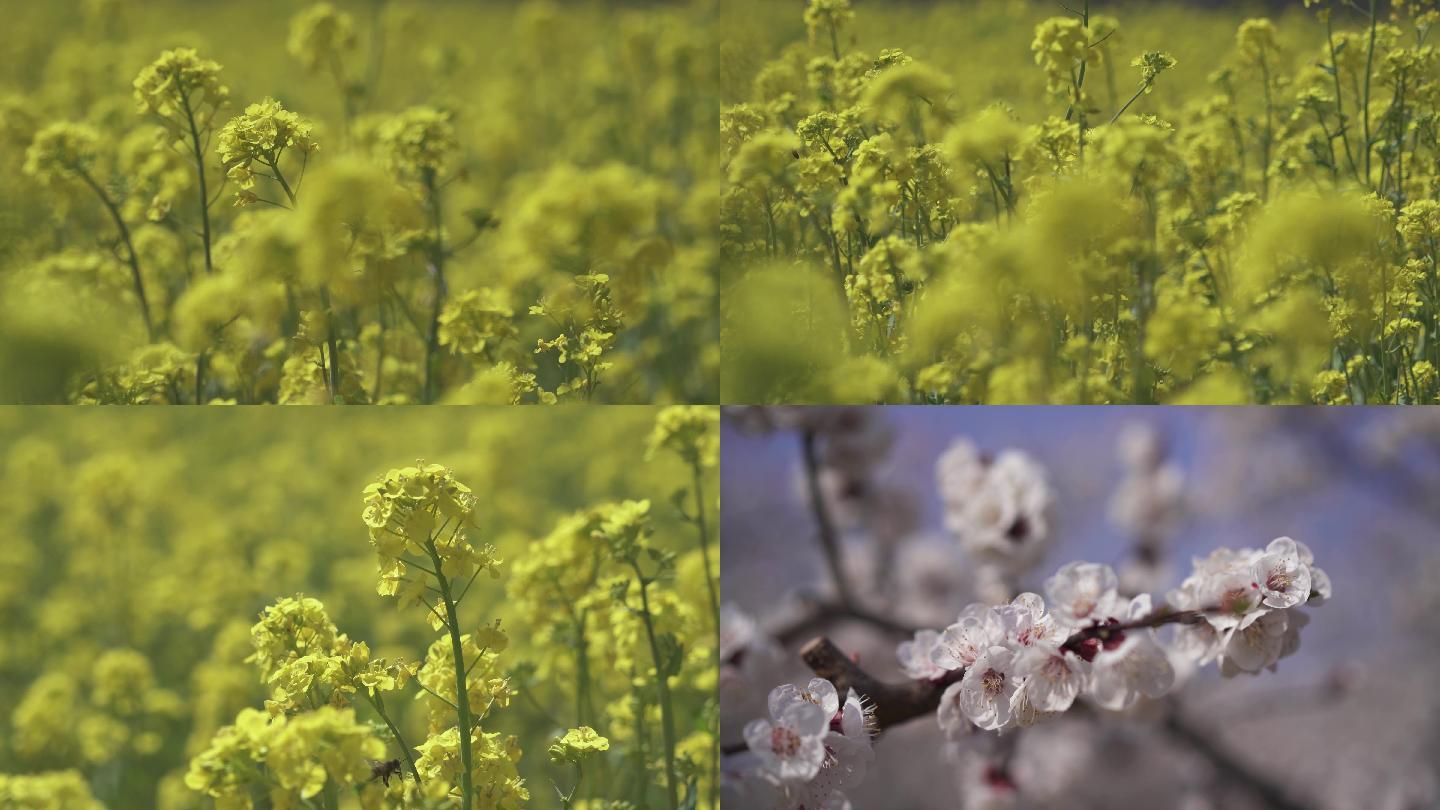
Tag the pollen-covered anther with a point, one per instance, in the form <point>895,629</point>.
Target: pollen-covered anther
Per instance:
<point>784,742</point>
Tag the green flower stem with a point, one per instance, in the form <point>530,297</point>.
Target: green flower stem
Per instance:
<point>1365,104</point>
<point>280,178</point>
<point>379,353</point>
<point>582,675</point>
<point>437,262</point>
<point>703,530</point>
<point>1339,102</point>
<point>1079,85</point>
<point>662,685</point>
<point>568,800</point>
<point>130,256</point>
<point>378,702</point>
<point>200,171</point>
<point>462,693</point>
<point>641,743</point>
<point>333,377</point>
<point>1138,93</point>
<point>202,363</point>
<point>1268,144</point>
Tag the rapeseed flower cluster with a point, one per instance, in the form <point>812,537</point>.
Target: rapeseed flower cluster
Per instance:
<point>1244,218</point>
<point>334,203</point>
<point>192,617</point>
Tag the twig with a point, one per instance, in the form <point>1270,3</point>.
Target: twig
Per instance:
<point>829,540</point>
<point>897,703</point>
<point>1233,770</point>
<point>821,614</point>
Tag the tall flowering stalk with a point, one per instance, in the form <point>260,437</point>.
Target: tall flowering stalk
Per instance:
<point>184,93</point>
<point>625,529</point>
<point>693,433</point>
<point>419,514</point>
<point>68,151</point>
<point>421,147</point>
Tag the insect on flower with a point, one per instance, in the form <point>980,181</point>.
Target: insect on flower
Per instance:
<point>384,769</point>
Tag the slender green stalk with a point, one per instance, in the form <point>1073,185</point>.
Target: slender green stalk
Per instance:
<point>702,529</point>
<point>1267,144</point>
<point>280,178</point>
<point>567,800</point>
<point>1339,102</point>
<point>130,256</point>
<point>200,171</point>
<point>662,685</point>
<point>1133,99</point>
<point>437,263</point>
<point>640,743</point>
<point>1369,67</point>
<point>1084,121</point>
<point>378,702</point>
<point>582,669</point>
<point>200,360</point>
<point>462,693</point>
<point>333,377</point>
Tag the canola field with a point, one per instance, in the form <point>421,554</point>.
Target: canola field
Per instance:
<point>1080,202</point>
<point>363,202</point>
<point>221,609</point>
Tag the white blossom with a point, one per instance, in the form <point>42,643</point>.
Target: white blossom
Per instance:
<point>1248,599</point>
<point>916,656</point>
<point>809,753</point>
<point>750,661</point>
<point>998,508</point>
<point>1149,503</point>
<point>1053,677</point>
<point>1283,579</point>
<point>855,439</point>
<point>790,747</point>
<point>1023,622</point>
<point>1139,667</point>
<point>818,691</point>
<point>1081,592</point>
<point>989,687</point>
<point>737,631</point>
<point>965,640</point>
<point>1140,447</point>
<point>951,717</point>
<point>1256,644</point>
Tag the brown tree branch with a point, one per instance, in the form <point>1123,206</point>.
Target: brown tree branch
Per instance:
<point>897,703</point>
<point>823,613</point>
<point>829,538</point>
<point>894,703</point>
<point>1231,768</point>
